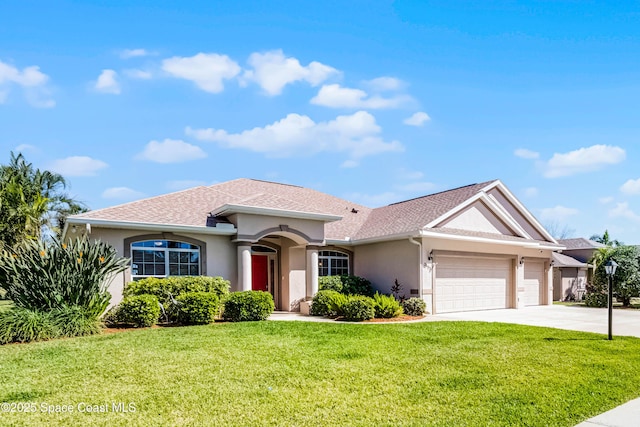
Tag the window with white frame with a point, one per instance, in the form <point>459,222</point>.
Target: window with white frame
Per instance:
<point>161,258</point>
<point>333,263</point>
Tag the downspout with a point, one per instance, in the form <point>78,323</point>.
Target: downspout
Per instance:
<point>420,278</point>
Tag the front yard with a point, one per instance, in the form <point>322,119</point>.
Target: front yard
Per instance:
<point>305,374</point>
<point>5,305</point>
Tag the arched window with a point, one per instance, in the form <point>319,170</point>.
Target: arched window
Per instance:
<point>333,263</point>
<point>161,258</point>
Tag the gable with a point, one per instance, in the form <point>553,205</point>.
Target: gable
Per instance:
<point>477,217</point>
<point>515,213</point>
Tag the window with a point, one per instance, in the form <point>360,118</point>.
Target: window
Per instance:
<point>333,263</point>
<point>161,258</point>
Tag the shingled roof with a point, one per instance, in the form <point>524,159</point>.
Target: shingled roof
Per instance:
<point>192,207</point>
<point>580,243</point>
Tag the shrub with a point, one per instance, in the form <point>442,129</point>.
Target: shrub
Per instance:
<point>355,285</point>
<point>73,321</point>
<point>197,308</point>
<point>24,325</point>
<point>359,308</point>
<point>336,304</point>
<point>177,285</point>
<point>596,299</point>
<point>330,283</point>
<point>44,276</point>
<point>414,306</point>
<point>248,306</point>
<point>138,311</point>
<point>323,302</point>
<point>348,285</point>
<point>386,306</point>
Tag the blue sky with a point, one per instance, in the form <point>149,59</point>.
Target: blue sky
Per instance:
<point>373,101</point>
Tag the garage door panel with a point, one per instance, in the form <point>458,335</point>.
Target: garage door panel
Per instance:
<point>533,282</point>
<point>467,283</point>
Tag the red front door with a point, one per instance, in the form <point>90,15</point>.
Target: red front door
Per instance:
<point>259,272</point>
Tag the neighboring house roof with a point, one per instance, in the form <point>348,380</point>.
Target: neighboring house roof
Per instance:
<point>561,260</point>
<point>345,221</point>
<point>580,243</point>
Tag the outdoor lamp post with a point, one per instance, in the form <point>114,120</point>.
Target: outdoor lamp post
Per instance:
<point>610,269</point>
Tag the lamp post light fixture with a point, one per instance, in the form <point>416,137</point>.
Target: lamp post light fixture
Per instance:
<point>610,269</point>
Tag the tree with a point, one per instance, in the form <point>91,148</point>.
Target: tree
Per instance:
<point>605,239</point>
<point>559,231</point>
<point>626,281</point>
<point>31,201</point>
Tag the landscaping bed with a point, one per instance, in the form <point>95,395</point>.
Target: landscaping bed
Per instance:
<point>309,374</point>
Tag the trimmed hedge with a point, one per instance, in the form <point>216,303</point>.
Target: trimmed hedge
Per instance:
<point>348,285</point>
<point>177,285</point>
<point>596,299</point>
<point>414,306</point>
<point>248,306</point>
<point>136,310</point>
<point>359,308</point>
<point>197,308</point>
<point>324,302</point>
<point>386,306</point>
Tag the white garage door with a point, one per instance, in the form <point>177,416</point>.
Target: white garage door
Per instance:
<point>533,282</point>
<point>466,283</point>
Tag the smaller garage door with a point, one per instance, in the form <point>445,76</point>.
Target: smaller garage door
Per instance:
<point>533,282</point>
<point>470,283</point>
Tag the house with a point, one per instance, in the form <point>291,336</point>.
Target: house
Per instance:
<point>470,248</point>
<point>571,271</point>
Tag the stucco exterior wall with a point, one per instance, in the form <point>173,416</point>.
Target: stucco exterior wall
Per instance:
<point>382,263</point>
<point>221,257</point>
<point>254,226</point>
<point>515,213</point>
<point>477,217</point>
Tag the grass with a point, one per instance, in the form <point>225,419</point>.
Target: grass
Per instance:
<point>5,305</point>
<point>635,304</point>
<point>312,374</point>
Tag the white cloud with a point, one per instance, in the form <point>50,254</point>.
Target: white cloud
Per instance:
<point>356,134</point>
<point>23,148</point>
<point>273,71</point>
<point>531,192</point>
<point>77,166</point>
<point>583,160</point>
<point>417,119</point>
<point>133,53</point>
<point>171,151</point>
<point>605,200</point>
<point>632,186</point>
<point>122,194</point>
<point>336,96</point>
<point>557,213</point>
<point>523,153</point>
<point>183,184</point>
<point>108,82</point>
<point>410,175</point>
<point>135,73</point>
<point>382,84</point>
<point>622,210</point>
<point>31,79</point>
<point>207,70</point>
<point>347,164</point>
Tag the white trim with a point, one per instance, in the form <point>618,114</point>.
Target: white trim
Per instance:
<point>497,208</point>
<point>130,225</point>
<point>454,210</point>
<point>533,244</point>
<point>524,211</point>
<point>228,209</point>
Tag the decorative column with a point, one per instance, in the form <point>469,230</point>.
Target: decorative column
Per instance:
<point>244,267</point>
<point>312,273</point>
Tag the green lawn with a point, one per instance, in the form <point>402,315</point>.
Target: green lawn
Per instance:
<point>5,305</point>
<point>635,303</point>
<point>313,374</point>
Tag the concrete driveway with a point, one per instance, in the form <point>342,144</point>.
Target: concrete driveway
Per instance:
<point>625,322</point>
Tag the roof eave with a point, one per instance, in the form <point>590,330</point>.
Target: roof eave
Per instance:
<point>229,209</point>
<point>223,230</point>
<point>532,244</point>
